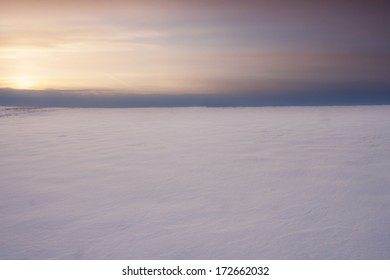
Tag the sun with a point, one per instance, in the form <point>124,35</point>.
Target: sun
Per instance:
<point>24,82</point>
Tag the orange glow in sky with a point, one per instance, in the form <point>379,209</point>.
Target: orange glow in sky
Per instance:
<point>191,46</point>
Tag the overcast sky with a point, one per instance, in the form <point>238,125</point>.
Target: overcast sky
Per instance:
<point>178,47</point>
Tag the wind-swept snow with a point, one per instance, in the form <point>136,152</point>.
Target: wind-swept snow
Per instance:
<point>195,183</point>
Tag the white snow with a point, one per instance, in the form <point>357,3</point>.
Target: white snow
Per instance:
<point>195,183</point>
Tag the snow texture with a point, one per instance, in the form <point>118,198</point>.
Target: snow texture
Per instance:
<point>195,183</point>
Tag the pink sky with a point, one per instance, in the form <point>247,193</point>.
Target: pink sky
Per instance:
<point>193,46</point>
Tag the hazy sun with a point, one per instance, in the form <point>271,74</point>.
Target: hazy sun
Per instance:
<point>24,82</point>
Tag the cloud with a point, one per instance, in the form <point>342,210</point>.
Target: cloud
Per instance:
<point>101,99</point>
<point>194,46</point>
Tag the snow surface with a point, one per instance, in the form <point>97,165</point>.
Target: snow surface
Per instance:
<point>195,183</point>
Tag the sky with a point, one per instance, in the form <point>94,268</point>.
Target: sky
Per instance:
<point>190,48</point>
